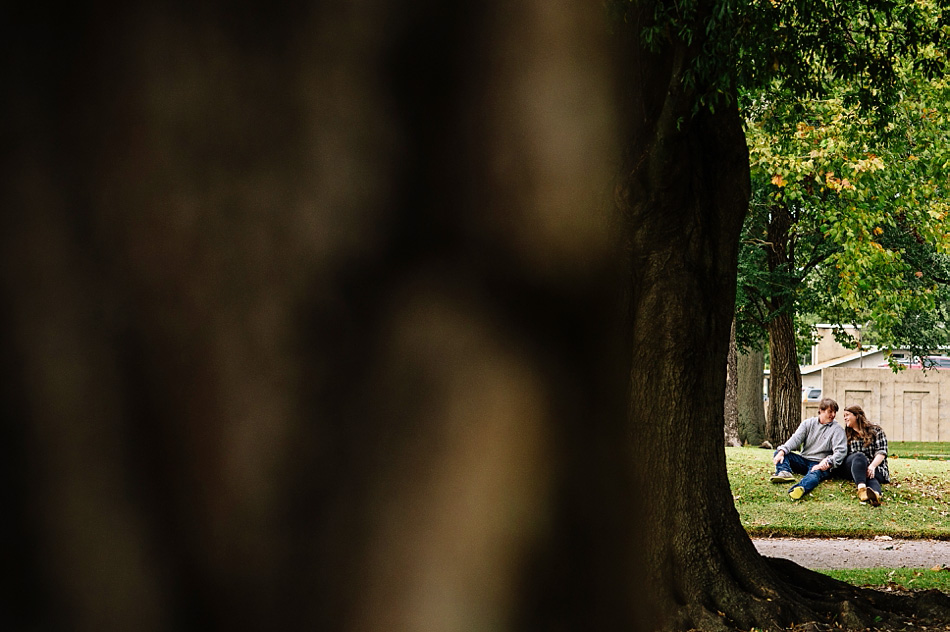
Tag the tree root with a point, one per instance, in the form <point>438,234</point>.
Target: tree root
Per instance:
<point>849,607</point>
<point>808,601</point>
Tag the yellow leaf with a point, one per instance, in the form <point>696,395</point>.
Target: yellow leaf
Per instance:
<point>778,180</point>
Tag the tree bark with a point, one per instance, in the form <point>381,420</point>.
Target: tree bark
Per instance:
<point>751,407</point>
<point>685,197</point>
<point>785,377</point>
<point>732,391</point>
<point>785,380</point>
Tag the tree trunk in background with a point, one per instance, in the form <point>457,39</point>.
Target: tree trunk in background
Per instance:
<point>751,407</point>
<point>785,381</point>
<point>785,377</point>
<point>308,320</point>
<point>732,399</point>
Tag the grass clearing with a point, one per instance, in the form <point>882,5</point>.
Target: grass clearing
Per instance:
<point>899,579</point>
<point>915,505</point>
<point>918,450</point>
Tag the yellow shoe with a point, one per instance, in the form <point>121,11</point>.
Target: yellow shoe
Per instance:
<point>863,494</point>
<point>796,492</point>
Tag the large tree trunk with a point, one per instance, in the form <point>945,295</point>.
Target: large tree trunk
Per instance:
<point>751,407</point>
<point>684,196</point>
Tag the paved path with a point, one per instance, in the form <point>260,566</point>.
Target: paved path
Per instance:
<point>850,553</point>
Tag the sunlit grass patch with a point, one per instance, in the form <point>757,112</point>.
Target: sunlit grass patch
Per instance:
<point>897,579</point>
<point>915,505</point>
<point>918,450</point>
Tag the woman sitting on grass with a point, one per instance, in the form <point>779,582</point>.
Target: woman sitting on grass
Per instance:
<point>866,463</point>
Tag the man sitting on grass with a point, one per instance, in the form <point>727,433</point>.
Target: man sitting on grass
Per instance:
<point>823,447</point>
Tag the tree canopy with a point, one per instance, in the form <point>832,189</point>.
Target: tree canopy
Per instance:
<point>865,233</point>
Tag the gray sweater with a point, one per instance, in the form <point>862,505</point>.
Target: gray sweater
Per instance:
<point>818,442</point>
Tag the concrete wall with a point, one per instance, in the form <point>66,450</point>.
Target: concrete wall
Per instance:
<point>911,405</point>
<point>827,348</point>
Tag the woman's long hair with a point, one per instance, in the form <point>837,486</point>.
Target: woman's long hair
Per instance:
<point>863,429</point>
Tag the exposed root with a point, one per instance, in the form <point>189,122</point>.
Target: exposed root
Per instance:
<point>852,608</point>
<point>813,602</point>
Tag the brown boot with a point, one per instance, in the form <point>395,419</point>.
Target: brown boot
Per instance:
<point>863,494</point>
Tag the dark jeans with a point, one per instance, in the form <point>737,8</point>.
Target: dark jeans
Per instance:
<point>855,468</point>
<point>795,462</point>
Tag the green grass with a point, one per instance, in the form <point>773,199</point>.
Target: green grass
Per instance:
<point>894,578</point>
<point>915,505</point>
<point>918,450</point>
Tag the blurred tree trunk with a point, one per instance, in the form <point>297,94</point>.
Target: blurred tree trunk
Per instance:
<point>751,407</point>
<point>732,399</point>
<point>310,320</point>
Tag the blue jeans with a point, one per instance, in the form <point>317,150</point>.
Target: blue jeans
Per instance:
<point>795,462</point>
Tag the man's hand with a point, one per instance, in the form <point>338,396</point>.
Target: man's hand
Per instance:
<point>778,458</point>
<point>823,465</point>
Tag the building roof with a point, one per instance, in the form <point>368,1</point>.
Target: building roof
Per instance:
<point>814,368</point>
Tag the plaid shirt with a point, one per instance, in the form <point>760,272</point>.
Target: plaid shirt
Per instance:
<point>877,446</point>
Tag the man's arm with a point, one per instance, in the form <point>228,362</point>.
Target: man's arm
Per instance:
<point>836,439</point>
<point>796,440</point>
<point>840,446</point>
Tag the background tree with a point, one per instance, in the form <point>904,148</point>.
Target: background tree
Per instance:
<point>904,297</point>
<point>750,369</point>
<point>731,411</point>
<point>833,193</point>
